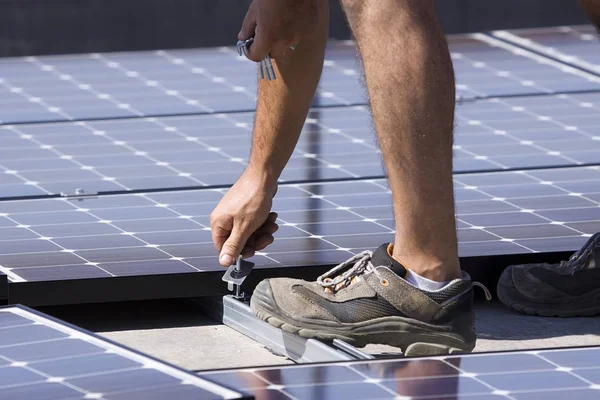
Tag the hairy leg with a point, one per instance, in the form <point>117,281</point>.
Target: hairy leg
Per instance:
<point>410,81</point>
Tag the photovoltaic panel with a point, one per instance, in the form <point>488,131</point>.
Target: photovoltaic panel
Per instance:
<point>336,143</point>
<point>522,375</point>
<point>43,358</point>
<point>168,234</point>
<point>164,82</point>
<point>574,45</point>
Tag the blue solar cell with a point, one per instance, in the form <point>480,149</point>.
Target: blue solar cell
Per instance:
<point>512,375</point>
<point>574,45</point>
<point>139,154</point>
<point>42,358</point>
<point>168,233</point>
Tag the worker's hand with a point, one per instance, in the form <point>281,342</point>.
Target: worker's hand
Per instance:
<point>277,25</point>
<point>242,222</point>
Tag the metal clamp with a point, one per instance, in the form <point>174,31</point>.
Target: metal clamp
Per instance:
<point>236,275</point>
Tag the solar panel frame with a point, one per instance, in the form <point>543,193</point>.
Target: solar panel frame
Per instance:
<point>150,245</point>
<point>57,355</point>
<point>514,375</point>
<point>576,46</point>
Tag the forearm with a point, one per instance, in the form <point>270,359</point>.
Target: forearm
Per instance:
<point>283,104</point>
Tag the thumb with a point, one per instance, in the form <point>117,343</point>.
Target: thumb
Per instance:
<point>234,245</point>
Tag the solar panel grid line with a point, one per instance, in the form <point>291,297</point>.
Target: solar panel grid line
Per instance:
<point>479,64</point>
<point>553,121</point>
<point>505,74</point>
<point>137,75</point>
<point>49,240</point>
<point>536,57</point>
<point>141,240</point>
<point>482,229</point>
<point>235,88</point>
<point>53,332</point>
<point>19,129</point>
<point>112,64</point>
<point>25,180</point>
<point>332,95</point>
<point>48,379</point>
<point>512,375</point>
<point>473,376</point>
<point>363,142</point>
<point>567,370</point>
<point>156,161</point>
<point>284,223</point>
<point>147,244</point>
<point>548,51</point>
<point>61,155</point>
<point>457,55</point>
<point>532,212</point>
<point>530,143</point>
<point>131,148</point>
<point>382,228</point>
<point>66,77</point>
<point>204,227</point>
<point>477,156</point>
<point>86,110</point>
<point>33,99</point>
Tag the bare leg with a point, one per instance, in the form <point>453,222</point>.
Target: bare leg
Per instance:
<point>592,9</point>
<point>410,82</point>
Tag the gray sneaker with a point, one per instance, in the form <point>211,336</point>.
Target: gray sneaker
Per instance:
<point>568,289</point>
<point>370,302</point>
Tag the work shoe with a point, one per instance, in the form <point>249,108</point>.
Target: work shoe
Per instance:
<point>368,303</point>
<point>568,289</point>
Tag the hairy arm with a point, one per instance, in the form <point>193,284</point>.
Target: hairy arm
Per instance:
<point>242,222</point>
<point>284,103</point>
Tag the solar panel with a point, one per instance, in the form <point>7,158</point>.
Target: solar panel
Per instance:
<point>574,45</point>
<point>43,358</point>
<point>165,82</point>
<point>522,375</point>
<point>337,143</point>
<point>162,234</point>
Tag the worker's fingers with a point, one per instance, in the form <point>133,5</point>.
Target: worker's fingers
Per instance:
<point>260,239</point>
<point>248,252</point>
<point>268,228</point>
<point>249,248</point>
<point>262,44</point>
<point>220,231</point>
<point>234,244</point>
<point>248,25</point>
<point>263,241</point>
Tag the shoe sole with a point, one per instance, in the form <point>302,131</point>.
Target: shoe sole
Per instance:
<point>511,297</point>
<point>408,335</point>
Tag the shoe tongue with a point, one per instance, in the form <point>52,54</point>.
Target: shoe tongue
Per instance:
<point>382,258</point>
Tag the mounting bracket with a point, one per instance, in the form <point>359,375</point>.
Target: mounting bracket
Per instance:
<point>237,315</point>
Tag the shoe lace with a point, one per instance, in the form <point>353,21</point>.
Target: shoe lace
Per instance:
<point>582,254</point>
<point>361,265</point>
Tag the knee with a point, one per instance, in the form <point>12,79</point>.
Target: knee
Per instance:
<point>380,11</point>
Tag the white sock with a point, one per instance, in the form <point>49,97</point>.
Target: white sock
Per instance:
<point>424,283</point>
